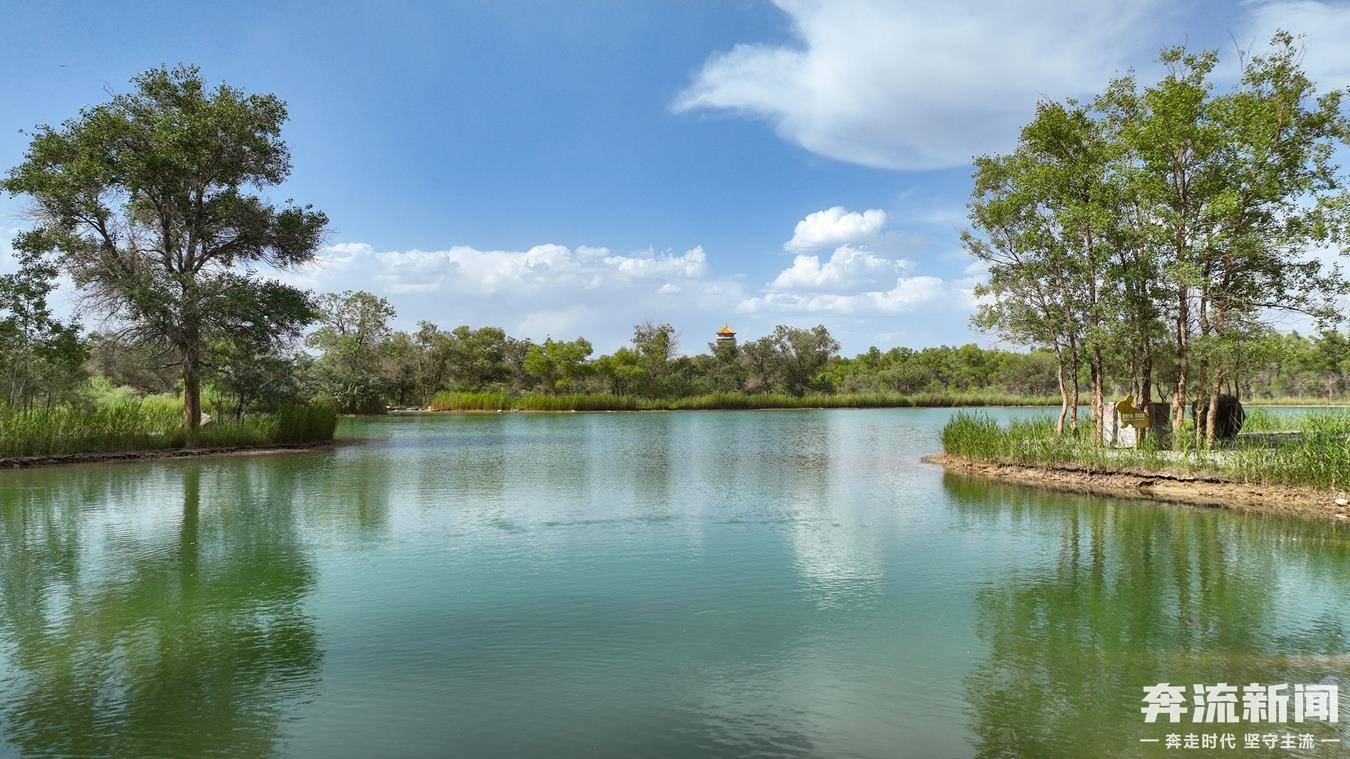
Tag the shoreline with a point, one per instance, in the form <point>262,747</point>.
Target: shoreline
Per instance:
<point>1162,487</point>
<point>947,404</point>
<point>413,411</point>
<point>118,457</point>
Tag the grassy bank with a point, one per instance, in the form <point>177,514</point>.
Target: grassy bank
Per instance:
<point>149,425</point>
<point>1297,401</point>
<point>448,401</point>
<point>1320,457</point>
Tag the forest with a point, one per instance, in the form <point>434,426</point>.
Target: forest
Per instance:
<point>354,360</point>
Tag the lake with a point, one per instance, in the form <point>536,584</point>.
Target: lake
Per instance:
<point>791,583</point>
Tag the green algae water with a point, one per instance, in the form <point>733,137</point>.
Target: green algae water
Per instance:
<point>788,583</point>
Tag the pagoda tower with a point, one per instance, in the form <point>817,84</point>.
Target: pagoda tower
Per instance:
<point>726,337</point>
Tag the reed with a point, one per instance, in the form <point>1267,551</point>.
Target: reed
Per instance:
<point>1318,457</point>
<point>1300,400</point>
<point>298,423</point>
<point>578,402</point>
<point>489,401</point>
<point>450,401</point>
<point>150,424</point>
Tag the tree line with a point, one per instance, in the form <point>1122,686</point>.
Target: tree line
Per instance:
<point>1149,236</point>
<point>353,358</point>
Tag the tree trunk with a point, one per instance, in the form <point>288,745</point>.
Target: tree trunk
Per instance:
<point>192,396</point>
<point>1073,376</point>
<point>1098,393</point>
<point>1211,422</point>
<point>1146,385</point>
<point>1063,392</point>
<point>1182,346</point>
<point>1202,377</point>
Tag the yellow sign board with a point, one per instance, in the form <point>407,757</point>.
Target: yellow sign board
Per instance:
<point>1131,415</point>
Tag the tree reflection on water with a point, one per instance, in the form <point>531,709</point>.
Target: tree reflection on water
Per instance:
<point>1130,594</point>
<point>184,637</point>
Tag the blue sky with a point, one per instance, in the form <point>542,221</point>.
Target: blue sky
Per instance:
<point>572,168</point>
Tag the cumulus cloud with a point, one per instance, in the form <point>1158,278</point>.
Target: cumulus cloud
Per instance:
<point>465,270</point>
<point>552,290</point>
<point>908,293</point>
<point>546,290</point>
<point>846,269</point>
<point>861,277</point>
<point>976,273</point>
<point>919,85</point>
<point>835,226</point>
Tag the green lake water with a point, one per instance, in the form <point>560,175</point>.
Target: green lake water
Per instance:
<point>788,583</point>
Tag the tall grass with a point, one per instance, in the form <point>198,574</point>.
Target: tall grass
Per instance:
<point>1299,400</point>
<point>150,424</point>
<point>302,424</point>
<point>451,401</point>
<point>1318,457</point>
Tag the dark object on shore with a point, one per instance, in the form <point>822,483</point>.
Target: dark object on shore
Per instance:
<point>1229,421</point>
<point>1160,423</point>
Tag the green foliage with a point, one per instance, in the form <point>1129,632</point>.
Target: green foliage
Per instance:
<point>945,369</point>
<point>655,346</point>
<point>727,377</point>
<point>124,361</point>
<point>41,358</point>
<point>246,376</point>
<point>353,335</point>
<point>557,365</point>
<point>621,372</point>
<point>146,201</point>
<point>451,401</point>
<point>1153,231</point>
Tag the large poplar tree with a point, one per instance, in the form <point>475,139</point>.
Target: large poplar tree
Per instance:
<point>152,201</point>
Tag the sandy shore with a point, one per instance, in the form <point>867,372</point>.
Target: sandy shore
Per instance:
<point>26,462</point>
<point>1167,487</point>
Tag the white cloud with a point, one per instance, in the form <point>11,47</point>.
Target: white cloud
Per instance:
<point>847,269</point>
<point>976,274</point>
<point>546,290</point>
<point>1324,26</point>
<point>835,226</point>
<point>694,263</point>
<point>465,270</point>
<point>920,85</point>
<point>558,291</point>
<point>907,293</point>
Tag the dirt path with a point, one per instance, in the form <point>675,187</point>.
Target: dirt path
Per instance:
<point>1171,488</point>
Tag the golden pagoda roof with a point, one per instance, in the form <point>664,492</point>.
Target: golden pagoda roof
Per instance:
<point>725,330</point>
